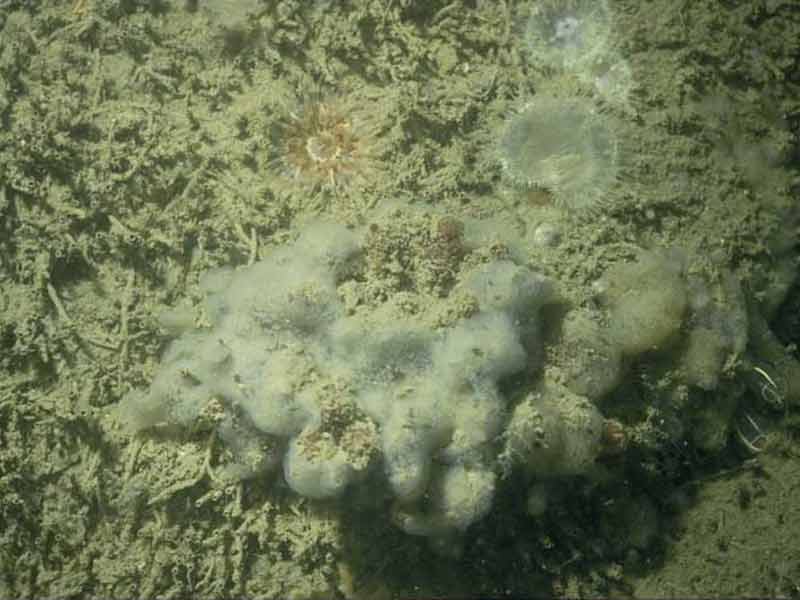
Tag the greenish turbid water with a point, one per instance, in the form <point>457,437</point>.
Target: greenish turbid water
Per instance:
<point>399,299</point>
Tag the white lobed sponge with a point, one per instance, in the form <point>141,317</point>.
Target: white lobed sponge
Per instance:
<point>339,393</point>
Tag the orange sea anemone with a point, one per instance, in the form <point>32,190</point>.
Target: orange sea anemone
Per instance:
<point>326,144</point>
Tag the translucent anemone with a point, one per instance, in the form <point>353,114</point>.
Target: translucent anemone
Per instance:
<point>563,145</point>
<point>568,34</point>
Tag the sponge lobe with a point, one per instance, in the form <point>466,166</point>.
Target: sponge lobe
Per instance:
<point>553,431</point>
<point>647,300</point>
<point>317,469</point>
